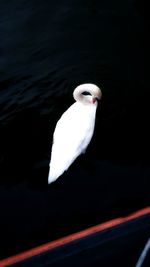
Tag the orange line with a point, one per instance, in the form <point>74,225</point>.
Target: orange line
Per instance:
<point>72,237</point>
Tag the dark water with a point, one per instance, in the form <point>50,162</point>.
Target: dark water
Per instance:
<point>46,49</point>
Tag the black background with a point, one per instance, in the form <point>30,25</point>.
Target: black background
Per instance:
<point>47,49</point>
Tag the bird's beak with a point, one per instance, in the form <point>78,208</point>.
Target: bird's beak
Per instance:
<point>94,99</point>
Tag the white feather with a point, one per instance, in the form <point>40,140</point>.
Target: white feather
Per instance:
<point>72,135</point>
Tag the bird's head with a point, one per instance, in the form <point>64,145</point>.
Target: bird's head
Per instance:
<point>87,93</point>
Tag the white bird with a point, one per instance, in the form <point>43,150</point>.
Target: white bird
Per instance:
<point>74,130</point>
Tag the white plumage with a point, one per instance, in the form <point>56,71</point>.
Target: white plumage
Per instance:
<point>74,130</point>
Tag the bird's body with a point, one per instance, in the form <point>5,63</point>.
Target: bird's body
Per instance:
<point>72,135</point>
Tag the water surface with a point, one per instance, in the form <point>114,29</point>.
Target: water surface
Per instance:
<point>46,50</point>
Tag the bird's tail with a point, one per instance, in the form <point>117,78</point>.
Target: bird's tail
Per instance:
<point>57,170</point>
<point>51,178</point>
<point>53,175</point>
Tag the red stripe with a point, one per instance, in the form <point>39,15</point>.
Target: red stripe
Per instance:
<point>72,237</point>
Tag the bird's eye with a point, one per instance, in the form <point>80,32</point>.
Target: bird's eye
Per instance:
<point>86,93</point>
